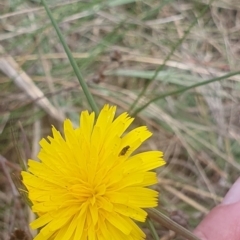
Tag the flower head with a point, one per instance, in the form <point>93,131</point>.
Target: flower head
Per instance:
<point>88,184</point>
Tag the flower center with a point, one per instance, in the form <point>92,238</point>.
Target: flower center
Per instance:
<point>97,192</point>
<point>86,192</point>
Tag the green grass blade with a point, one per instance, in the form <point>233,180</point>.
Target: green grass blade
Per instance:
<point>169,55</point>
<point>181,90</point>
<point>152,229</point>
<point>72,61</point>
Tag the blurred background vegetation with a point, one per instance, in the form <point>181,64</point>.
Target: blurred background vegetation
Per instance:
<point>125,50</point>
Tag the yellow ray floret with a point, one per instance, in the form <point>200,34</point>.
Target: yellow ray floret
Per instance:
<point>89,184</point>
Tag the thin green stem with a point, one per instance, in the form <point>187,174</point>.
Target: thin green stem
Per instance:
<point>72,61</point>
<point>169,56</point>
<point>181,90</point>
<point>152,229</point>
<point>170,224</point>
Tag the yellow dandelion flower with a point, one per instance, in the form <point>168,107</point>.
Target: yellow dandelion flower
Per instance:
<point>88,184</point>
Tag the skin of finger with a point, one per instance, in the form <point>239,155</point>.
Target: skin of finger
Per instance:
<point>222,223</point>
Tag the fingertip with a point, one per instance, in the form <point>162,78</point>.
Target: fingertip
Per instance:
<point>233,194</point>
<point>221,223</point>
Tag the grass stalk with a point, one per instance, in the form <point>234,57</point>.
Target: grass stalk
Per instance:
<point>152,229</point>
<point>184,89</point>
<point>169,56</point>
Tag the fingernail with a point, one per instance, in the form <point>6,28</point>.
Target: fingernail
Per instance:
<point>233,194</point>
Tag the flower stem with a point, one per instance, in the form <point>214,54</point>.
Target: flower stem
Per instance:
<point>170,224</point>
<point>72,60</point>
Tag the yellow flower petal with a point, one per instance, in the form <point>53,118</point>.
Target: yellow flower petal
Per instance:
<point>89,184</point>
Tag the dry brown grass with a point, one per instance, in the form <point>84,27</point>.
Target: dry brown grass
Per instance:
<point>117,49</point>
